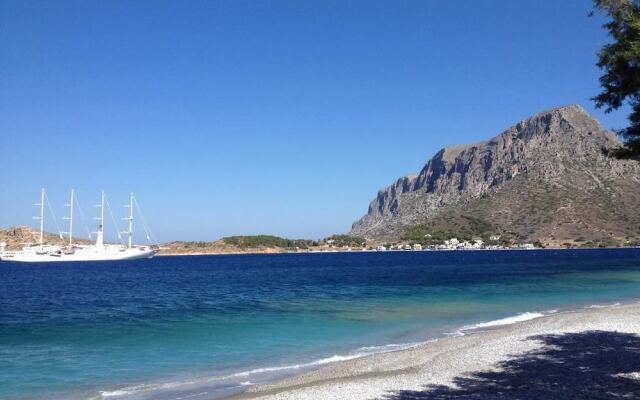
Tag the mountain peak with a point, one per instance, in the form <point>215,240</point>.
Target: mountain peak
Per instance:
<point>568,108</point>
<point>561,120</point>
<point>557,149</point>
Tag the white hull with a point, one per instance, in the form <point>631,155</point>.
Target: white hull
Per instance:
<point>72,252</point>
<point>90,253</point>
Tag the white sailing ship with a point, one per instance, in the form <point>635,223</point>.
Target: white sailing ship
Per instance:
<point>99,251</point>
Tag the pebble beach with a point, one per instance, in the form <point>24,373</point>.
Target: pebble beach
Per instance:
<point>586,352</point>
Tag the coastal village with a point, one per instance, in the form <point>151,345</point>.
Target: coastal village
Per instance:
<point>449,244</point>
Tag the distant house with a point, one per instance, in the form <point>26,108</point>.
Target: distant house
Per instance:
<point>495,238</point>
<point>417,247</point>
<point>453,242</point>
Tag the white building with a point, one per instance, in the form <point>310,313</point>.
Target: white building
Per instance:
<point>453,242</point>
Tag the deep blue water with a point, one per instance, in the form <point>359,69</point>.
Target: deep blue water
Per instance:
<point>203,326</point>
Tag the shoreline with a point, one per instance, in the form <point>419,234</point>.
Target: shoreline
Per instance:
<point>387,251</point>
<point>445,360</point>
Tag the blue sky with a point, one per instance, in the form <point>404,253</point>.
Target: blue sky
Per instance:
<point>282,117</point>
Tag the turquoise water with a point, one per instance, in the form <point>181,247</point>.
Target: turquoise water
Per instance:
<point>207,326</point>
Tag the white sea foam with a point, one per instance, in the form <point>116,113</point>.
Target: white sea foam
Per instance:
<point>604,305</point>
<point>114,393</point>
<point>366,350</point>
<point>360,352</point>
<point>503,321</point>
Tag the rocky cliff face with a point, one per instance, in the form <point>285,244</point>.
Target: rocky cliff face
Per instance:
<point>556,158</point>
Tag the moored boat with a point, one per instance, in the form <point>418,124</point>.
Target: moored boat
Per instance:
<point>99,251</point>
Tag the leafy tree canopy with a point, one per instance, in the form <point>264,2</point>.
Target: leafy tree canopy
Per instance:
<point>620,61</point>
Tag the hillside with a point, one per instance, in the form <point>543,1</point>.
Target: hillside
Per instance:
<point>239,244</point>
<point>18,236</point>
<point>548,179</point>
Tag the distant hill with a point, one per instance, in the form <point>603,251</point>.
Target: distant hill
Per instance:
<point>19,236</point>
<point>548,179</point>
<point>239,244</point>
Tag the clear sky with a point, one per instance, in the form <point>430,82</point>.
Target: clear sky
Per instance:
<point>282,117</point>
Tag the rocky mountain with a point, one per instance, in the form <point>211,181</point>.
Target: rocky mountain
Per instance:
<point>548,178</point>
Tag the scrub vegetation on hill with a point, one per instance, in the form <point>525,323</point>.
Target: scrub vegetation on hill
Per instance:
<point>345,240</point>
<point>463,227</point>
<point>244,242</point>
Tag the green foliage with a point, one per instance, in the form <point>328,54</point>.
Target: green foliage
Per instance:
<point>267,241</point>
<point>345,240</point>
<point>462,227</point>
<point>426,235</point>
<point>620,61</point>
<point>478,226</point>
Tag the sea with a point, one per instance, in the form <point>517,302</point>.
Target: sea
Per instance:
<point>205,327</point>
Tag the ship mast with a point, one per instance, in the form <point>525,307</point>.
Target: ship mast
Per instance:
<point>41,216</point>
<point>100,232</point>
<point>130,219</point>
<point>70,218</point>
<point>102,211</point>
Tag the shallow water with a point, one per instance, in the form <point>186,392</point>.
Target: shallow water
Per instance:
<point>204,326</point>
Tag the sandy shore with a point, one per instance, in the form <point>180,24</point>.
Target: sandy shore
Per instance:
<point>575,340</point>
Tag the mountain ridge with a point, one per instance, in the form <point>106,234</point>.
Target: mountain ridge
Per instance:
<point>562,149</point>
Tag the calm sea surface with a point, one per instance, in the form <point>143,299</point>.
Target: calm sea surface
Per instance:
<point>205,326</point>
